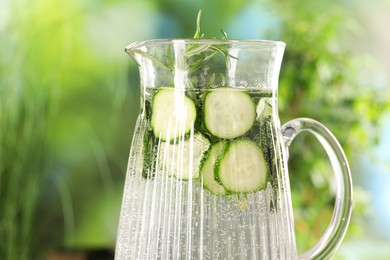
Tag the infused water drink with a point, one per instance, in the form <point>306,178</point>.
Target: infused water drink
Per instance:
<point>207,175</point>
<point>204,189</point>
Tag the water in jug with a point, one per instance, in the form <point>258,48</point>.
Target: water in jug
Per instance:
<point>207,174</point>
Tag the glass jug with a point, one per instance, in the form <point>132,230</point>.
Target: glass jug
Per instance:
<point>207,175</point>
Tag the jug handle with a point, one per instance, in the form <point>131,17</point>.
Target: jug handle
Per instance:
<point>335,232</point>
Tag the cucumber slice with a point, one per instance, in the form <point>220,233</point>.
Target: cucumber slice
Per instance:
<point>207,170</point>
<point>242,169</point>
<point>173,114</point>
<point>182,159</point>
<point>228,112</point>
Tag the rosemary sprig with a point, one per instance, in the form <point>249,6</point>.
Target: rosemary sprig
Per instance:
<point>202,53</point>
<point>197,34</point>
<point>195,54</point>
<point>197,50</point>
<point>224,34</point>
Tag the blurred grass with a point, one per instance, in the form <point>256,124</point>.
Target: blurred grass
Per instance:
<point>26,112</point>
<point>61,117</point>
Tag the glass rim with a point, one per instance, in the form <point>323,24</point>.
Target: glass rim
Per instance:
<point>172,41</point>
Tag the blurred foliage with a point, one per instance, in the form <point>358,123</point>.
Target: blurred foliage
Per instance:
<point>64,135</point>
<point>320,79</point>
<point>26,112</point>
<point>67,111</point>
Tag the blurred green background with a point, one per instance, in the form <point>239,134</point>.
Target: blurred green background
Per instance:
<point>69,99</point>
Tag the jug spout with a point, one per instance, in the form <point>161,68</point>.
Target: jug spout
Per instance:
<point>136,47</point>
<point>132,48</point>
<point>201,63</point>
